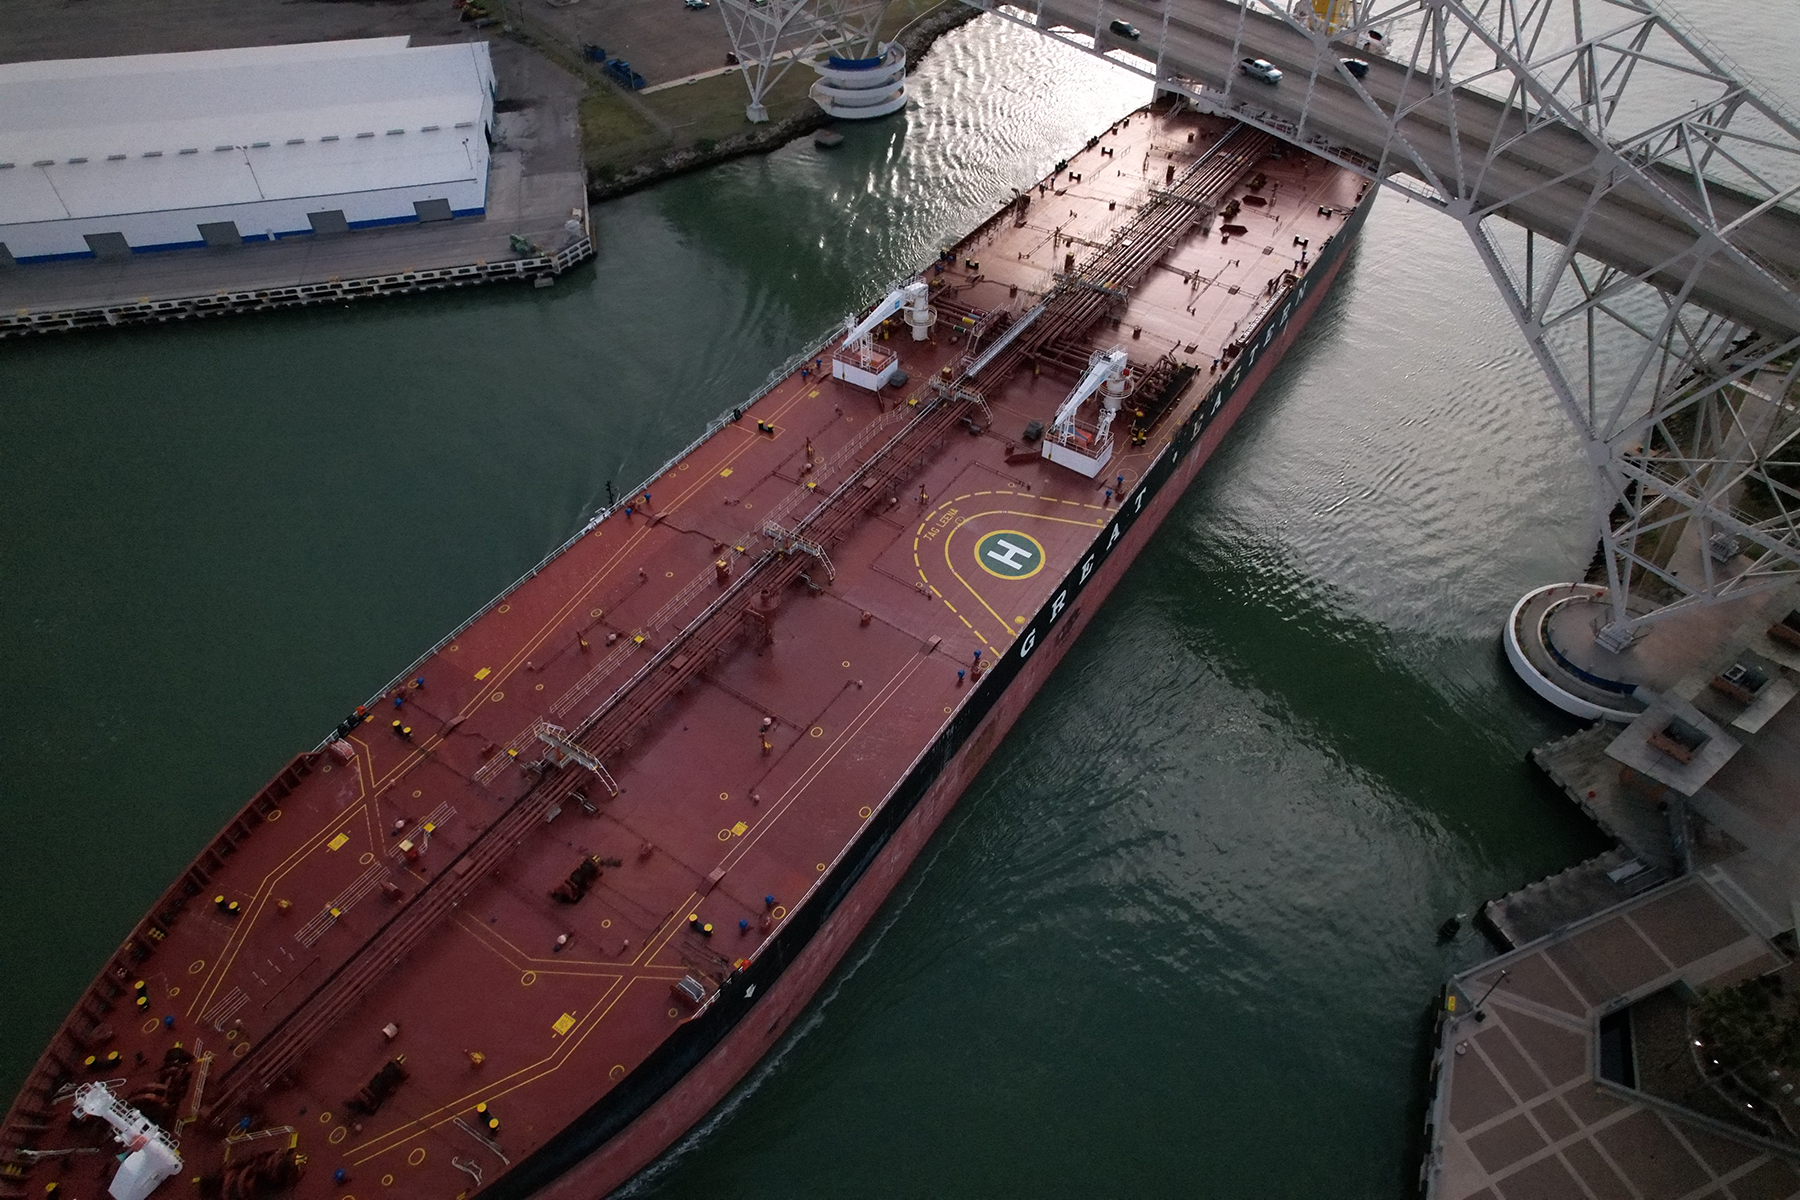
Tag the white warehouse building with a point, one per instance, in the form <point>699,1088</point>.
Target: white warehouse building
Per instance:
<point>104,157</point>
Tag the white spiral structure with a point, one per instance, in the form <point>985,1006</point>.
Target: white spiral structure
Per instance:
<point>861,88</point>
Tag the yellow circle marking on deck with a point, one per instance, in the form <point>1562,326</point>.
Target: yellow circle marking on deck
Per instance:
<point>325,1117</point>
<point>527,979</point>
<point>724,795</point>
<point>618,1069</point>
<point>865,812</point>
<point>674,1012</point>
<point>816,731</point>
<point>326,769</point>
<point>274,814</point>
<point>417,792</point>
<point>724,835</point>
<point>339,1134</point>
<point>606,923</point>
<point>819,867</point>
<point>683,466</point>
<point>150,1025</point>
<point>231,1035</point>
<point>387,1181</point>
<point>366,859</point>
<point>668,574</point>
<point>454,647</point>
<point>1014,557</point>
<point>497,697</point>
<point>846,662</point>
<point>504,608</point>
<point>778,912</point>
<point>240,1050</point>
<point>540,687</point>
<point>946,708</point>
<point>416,1157</point>
<point>747,504</point>
<point>596,613</point>
<point>174,992</point>
<point>197,966</point>
<point>1015,561</point>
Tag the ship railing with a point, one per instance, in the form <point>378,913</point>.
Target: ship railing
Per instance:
<point>824,877</point>
<point>813,351</point>
<point>877,359</point>
<point>578,692</point>
<point>682,599</point>
<point>752,578</point>
<point>238,1141</point>
<point>1210,173</point>
<point>713,426</point>
<point>628,705</point>
<point>855,445</point>
<point>845,457</point>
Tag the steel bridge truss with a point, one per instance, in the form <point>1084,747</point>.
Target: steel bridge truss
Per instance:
<point>769,36</point>
<point>1671,341</point>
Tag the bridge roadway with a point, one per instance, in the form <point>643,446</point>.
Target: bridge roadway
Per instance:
<point>1542,181</point>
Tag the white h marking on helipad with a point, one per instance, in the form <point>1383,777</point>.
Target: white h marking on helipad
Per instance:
<point>1015,558</point>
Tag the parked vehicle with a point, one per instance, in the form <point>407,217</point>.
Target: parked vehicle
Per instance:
<point>696,3</point>
<point>623,75</point>
<point>1356,67</point>
<point>1126,29</point>
<point>1260,68</point>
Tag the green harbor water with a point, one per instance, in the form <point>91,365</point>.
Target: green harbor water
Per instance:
<point>1178,939</point>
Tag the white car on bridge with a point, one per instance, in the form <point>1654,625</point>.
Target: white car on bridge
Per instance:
<point>1260,68</point>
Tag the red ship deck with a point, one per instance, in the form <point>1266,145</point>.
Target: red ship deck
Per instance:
<point>854,665</point>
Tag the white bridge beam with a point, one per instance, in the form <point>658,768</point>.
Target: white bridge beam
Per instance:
<point>1632,194</point>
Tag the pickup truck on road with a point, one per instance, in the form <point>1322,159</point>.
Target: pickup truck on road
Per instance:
<point>1260,68</point>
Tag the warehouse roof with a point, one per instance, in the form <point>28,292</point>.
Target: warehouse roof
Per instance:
<point>88,137</point>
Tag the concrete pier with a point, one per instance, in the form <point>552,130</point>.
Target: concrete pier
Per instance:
<point>1568,1066</point>
<point>1528,1106</point>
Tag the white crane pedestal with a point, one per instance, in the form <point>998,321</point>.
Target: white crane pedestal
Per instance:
<point>872,370</point>
<point>858,360</point>
<point>1082,447</point>
<point>149,1158</point>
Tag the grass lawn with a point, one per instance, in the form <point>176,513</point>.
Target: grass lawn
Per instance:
<point>618,133</point>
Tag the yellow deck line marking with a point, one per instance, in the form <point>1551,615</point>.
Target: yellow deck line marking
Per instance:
<point>531,643</point>
<point>524,957</point>
<point>365,763</point>
<point>580,596</point>
<point>368,781</point>
<point>982,600</point>
<point>565,1048</point>
<point>852,729</point>
<point>653,947</point>
<point>518,960</point>
<point>658,944</point>
<point>240,932</point>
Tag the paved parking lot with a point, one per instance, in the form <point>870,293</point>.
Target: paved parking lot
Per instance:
<point>99,28</point>
<point>661,39</point>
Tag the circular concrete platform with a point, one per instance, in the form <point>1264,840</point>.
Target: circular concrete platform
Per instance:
<point>1550,643</point>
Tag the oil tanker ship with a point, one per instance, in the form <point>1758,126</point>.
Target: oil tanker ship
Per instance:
<point>528,914</point>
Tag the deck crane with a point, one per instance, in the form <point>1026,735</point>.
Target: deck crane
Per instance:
<point>151,1156</point>
<point>1068,443</point>
<point>858,360</point>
